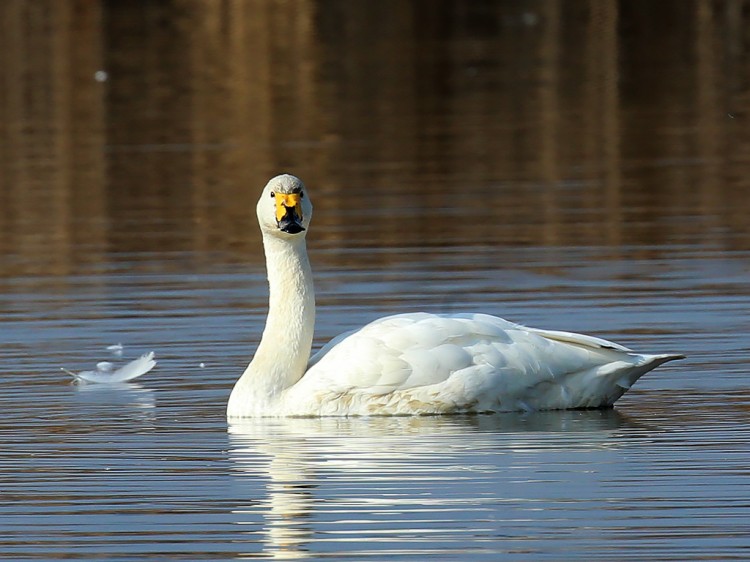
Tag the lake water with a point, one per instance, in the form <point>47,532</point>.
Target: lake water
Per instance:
<point>569,165</point>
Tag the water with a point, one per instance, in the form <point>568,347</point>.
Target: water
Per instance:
<point>578,166</point>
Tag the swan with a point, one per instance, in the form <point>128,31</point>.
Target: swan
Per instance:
<point>414,363</point>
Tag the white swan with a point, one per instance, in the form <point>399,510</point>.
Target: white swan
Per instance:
<point>409,363</point>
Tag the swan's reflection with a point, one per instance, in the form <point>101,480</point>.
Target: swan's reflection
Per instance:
<point>312,466</point>
<point>287,509</point>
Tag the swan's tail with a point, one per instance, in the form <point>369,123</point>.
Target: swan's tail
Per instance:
<point>602,386</point>
<point>648,363</point>
<point>659,359</point>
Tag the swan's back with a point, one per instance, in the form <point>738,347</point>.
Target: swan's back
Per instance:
<point>429,364</point>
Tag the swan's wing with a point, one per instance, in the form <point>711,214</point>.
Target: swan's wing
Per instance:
<point>579,339</point>
<point>327,347</point>
<point>477,352</point>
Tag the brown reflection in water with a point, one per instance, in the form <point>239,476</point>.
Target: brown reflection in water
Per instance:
<point>545,123</point>
<point>604,136</point>
<point>51,137</point>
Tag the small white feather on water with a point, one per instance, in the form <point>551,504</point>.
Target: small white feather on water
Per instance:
<point>116,349</point>
<point>105,374</point>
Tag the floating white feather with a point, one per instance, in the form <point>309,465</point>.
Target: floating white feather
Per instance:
<point>105,374</point>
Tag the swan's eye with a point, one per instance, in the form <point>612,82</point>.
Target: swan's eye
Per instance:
<point>301,194</point>
<point>273,195</point>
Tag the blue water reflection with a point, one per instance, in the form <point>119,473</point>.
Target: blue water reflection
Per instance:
<point>554,484</point>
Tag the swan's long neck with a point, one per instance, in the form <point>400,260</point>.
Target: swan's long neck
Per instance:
<point>284,349</point>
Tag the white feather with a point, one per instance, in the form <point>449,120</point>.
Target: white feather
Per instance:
<point>412,363</point>
<point>105,374</point>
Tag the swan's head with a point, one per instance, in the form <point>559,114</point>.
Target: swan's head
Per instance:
<point>284,207</point>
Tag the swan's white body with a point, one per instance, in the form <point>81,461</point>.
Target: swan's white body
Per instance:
<point>410,364</point>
